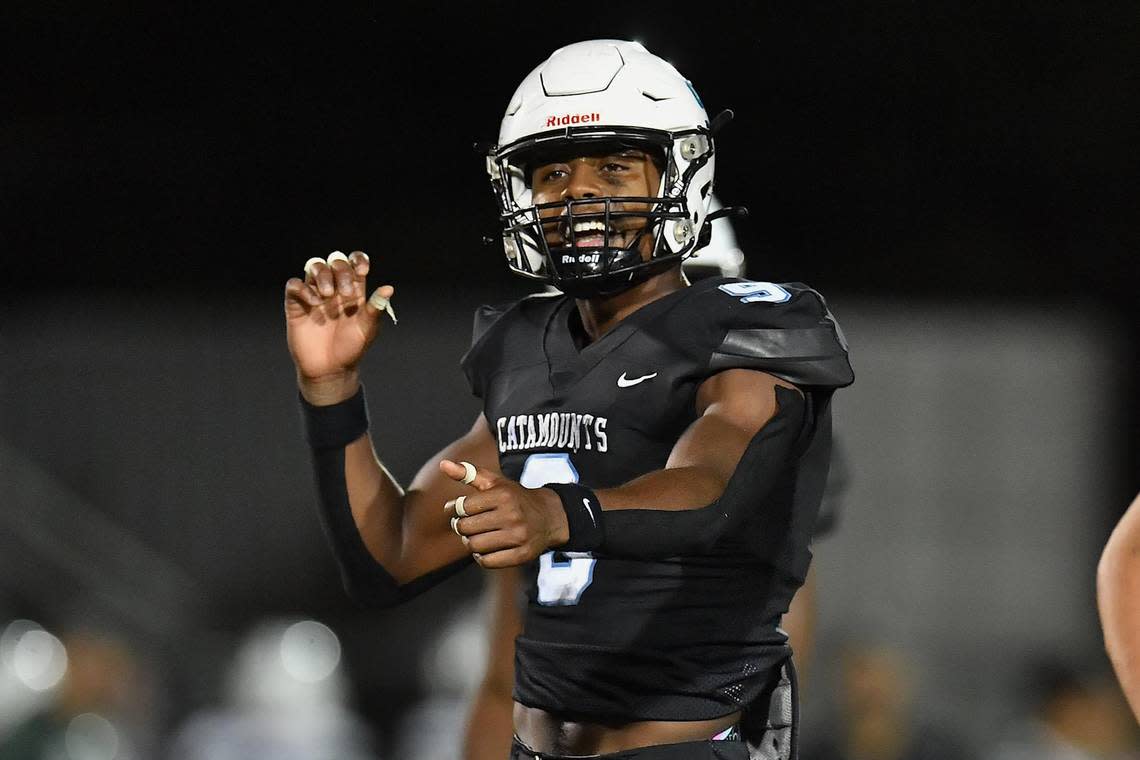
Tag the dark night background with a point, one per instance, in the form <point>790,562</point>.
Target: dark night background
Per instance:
<point>920,152</point>
<point>906,148</point>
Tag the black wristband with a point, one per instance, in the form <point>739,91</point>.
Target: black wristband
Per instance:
<point>583,516</point>
<point>337,425</point>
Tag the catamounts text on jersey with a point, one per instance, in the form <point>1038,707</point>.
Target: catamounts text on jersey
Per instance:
<point>552,430</point>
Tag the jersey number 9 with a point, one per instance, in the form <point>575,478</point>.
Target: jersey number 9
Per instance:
<point>562,576</point>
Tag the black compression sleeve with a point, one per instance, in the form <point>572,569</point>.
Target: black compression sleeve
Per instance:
<point>329,429</point>
<point>657,534</point>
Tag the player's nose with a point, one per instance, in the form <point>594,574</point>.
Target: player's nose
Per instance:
<point>583,182</point>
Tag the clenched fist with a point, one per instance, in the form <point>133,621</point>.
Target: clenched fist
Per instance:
<point>330,324</point>
<point>500,522</point>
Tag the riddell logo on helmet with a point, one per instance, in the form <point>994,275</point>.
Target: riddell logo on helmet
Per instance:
<point>574,118</point>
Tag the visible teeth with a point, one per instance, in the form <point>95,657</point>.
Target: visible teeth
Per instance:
<point>589,227</point>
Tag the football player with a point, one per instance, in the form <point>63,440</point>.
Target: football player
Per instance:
<point>650,456</point>
<point>489,725</point>
<point>1118,598</point>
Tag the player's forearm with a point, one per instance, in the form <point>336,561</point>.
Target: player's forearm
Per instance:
<point>1120,617</point>
<point>670,489</point>
<point>362,508</point>
<point>377,503</point>
<point>1118,598</point>
<point>374,497</point>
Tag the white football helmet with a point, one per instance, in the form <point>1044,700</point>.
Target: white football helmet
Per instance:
<point>587,97</point>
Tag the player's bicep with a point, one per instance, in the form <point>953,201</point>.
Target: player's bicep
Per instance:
<point>733,406</point>
<point>726,463</point>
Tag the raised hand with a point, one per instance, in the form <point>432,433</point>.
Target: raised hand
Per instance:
<point>501,523</point>
<point>330,324</point>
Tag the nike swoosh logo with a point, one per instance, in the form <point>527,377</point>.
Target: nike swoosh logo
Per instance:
<point>591,511</point>
<point>624,382</point>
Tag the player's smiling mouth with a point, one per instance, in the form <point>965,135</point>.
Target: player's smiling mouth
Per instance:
<point>592,234</point>
<point>586,234</point>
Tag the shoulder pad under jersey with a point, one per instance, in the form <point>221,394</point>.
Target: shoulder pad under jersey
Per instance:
<point>518,325</point>
<point>783,329</point>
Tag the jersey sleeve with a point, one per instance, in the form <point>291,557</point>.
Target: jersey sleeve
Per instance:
<point>504,337</point>
<point>785,330</point>
<point>477,361</point>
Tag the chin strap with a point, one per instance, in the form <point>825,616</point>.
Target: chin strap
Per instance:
<point>739,212</point>
<point>720,121</point>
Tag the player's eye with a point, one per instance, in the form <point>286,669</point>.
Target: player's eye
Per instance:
<point>615,167</point>
<point>546,174</point>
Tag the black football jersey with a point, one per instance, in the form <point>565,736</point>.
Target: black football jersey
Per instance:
<point>608,639</point>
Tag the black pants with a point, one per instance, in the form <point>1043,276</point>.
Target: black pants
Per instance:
<point>703,750</point>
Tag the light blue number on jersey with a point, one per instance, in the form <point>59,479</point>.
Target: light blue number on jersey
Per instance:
<point>769,292</point>
<point>559,582</point>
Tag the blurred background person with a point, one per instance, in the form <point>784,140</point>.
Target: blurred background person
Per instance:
<point>1078,714</point>
<point>450,667</point>
<point>98,704</point>
<point>875,716</point>
<point>286,699</point>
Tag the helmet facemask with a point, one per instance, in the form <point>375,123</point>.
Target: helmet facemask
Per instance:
<point>601,245</point>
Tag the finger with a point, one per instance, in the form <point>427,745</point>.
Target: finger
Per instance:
<point>483,479</point>
<point>490,543</point>
<point>473,506</point>
<point>320,276</point>
<point>469,473</point>
<point>309,265</point>
<point>505,558</point>
<point>472,527</point>
<point>298,293</point>
<point>343,275</point>
<point>381,300</point>
<point>475,524</point>
<point>360,263</point>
